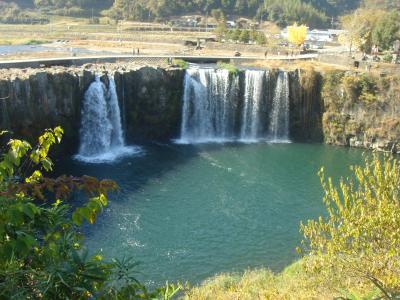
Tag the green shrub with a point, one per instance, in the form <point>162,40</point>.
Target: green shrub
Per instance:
<point>36,42</point>
<point>388,57</point>
<point>180,63</point>
<point>41,247</point>
<point>233,70</point>
<point>359,239</point>
<point>261,39</point>
<point>244,36</point>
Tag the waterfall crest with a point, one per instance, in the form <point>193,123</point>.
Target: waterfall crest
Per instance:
<point>214,110</point>
<point>101,134</point>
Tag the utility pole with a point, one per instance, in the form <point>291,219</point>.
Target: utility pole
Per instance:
<point>207,21</point>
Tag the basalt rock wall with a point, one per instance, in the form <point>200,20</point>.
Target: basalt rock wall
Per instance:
<point>362,110</point>
<point>337,107</point>
<point>33,100</point>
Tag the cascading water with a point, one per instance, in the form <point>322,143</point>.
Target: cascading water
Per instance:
<point>251,127</point>
<point>208,112</point>
<point>101,132</point>
<point>279,124</point>
<point>211,107</point>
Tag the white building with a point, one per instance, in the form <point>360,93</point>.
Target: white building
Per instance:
<point>317,35</point>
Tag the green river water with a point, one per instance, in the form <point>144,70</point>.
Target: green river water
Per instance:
<point>190,212</point>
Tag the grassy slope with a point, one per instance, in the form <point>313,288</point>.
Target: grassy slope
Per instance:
<point>292,283</point>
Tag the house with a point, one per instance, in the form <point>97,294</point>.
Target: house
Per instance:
<point>318,35</point>
<point>231,24</point>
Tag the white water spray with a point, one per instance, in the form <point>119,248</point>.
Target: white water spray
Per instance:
<point>251,127</point>
<point>101,135</point>
<point>279,125</point>
<point>207,114</point>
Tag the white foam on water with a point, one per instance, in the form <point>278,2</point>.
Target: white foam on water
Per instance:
<point>101,134</point>
<point>114,155</point>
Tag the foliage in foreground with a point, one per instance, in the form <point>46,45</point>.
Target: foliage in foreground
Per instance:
<point>353,253</point>
<point>360,237</point>
<point>41,252</point>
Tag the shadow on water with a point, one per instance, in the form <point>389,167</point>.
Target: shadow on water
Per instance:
<point>188,212</point>
<point>130,172</point>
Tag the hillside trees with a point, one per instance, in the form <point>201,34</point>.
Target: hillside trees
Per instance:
<point>388,5</point>
<point>386,30</point>
<point>286,12</point>
<point>366,27</point>
<point>12,13</point>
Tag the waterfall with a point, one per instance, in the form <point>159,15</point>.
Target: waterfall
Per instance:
<point>213,112</point>
<point>279,123</point>
<point>250,129</point>
<point>101,135</point>
<point>208,112</point>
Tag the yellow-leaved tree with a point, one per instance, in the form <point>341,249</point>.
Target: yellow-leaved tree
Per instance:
<point>297,34</point>
<point>359,239</point>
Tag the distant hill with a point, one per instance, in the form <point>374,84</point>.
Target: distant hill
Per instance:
<point>23,3</point>
<point>316,13</point>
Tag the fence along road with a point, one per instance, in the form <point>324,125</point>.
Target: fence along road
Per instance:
<point>143,59</point>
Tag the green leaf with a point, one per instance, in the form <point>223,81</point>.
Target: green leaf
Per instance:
<point>77,217</point>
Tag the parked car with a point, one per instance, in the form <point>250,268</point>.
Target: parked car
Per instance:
<point>317,46</point>
<point>283,44</point>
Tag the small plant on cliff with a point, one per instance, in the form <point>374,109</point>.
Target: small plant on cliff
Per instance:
<point>361,88</point>
<point>41,251</point>
<point>331,91</point>
<point>180,63</point>
<point>233,70</point>
<point>359,240</point>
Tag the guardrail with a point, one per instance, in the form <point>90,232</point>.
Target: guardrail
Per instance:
<point>78,61</point>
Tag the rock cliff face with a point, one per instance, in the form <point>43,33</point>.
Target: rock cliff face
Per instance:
<point>362,111</point>
<point>338,108</point>
<point>33,100</point>
<point>151,101</point>
<point>306,106</point>
<point>42,100</point>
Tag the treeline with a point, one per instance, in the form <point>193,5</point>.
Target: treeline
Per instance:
<point>11,13</point>
<point>314,13</point>
<point>283,12</point>
<point>368,27</point>
<point>286,12</point>
<point>28,11</point>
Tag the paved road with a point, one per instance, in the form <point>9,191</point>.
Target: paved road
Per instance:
<point>69,61</point>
